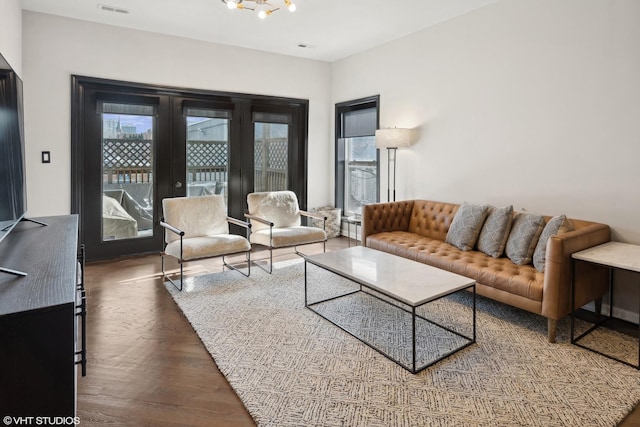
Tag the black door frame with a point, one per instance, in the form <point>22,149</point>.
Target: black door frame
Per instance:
<point>242,105</point>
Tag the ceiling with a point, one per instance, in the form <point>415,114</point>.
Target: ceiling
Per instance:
<point>332,29</point>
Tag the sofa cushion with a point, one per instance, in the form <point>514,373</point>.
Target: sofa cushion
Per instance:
<point>523,237</point>
<point>495,231</point>
<point>499,273</point>
<point>466,226</point>
<point>556,225</point>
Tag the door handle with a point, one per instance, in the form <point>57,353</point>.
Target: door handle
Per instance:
<point>178,184</point>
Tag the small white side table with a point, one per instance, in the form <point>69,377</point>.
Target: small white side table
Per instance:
<point>613,255</point>
<point>357,221</point>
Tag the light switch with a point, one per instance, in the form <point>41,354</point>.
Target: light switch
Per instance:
<point>46,157</point>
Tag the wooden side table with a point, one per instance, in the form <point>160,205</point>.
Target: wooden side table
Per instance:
<point>613,255</point>
<point>355,220</point>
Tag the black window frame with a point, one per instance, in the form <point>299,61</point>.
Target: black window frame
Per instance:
<point>340,161</point>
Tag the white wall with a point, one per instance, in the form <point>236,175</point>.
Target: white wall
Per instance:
<point>534,103</point>
<point>526,102</point>
<point>56,47</point>
<point>11,33</point>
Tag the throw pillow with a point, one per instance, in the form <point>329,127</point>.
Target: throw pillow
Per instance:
<point>556,225</point>
<point>494,233</point>
<point>523,237</point>
<point>466,226</point>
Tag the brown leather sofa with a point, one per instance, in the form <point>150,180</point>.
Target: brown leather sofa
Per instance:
<point>416,229</point>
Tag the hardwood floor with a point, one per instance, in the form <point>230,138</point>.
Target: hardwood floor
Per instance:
<point>146,365</point>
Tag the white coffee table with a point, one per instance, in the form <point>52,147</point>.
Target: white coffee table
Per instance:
<point>407,285</point>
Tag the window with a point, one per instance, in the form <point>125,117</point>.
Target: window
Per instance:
<point>356,155</point>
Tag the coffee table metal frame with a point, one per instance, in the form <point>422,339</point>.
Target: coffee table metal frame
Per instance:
<point>412,368</point>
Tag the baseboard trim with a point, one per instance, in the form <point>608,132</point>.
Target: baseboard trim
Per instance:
<point>618,312</point>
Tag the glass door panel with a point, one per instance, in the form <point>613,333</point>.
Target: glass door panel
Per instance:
<point>271,156</point>
<point>207,167</point>
<point>127,171</point>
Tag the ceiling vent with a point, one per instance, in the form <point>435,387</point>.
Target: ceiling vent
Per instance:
<point>115,9</point>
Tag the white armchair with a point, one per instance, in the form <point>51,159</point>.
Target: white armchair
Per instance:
<point>198,228</point>
<point>275,219</point>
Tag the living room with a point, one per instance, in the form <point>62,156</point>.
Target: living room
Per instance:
<point>529,103</point>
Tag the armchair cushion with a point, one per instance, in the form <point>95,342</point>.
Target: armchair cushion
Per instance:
<point>196,216</point>
<point>289,236</point>
<point>208,246</point>
<point>279,207</point>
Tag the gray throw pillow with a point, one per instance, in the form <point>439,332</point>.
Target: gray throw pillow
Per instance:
<point>523,237</point>
<point>494,233</point>
<point>556,225</point>
<point>466,226</point>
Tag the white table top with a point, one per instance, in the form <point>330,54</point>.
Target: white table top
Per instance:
<point>410,282</point>
<point>613,254</point>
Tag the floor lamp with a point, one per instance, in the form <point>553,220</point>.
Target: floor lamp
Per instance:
<point>392,139</point>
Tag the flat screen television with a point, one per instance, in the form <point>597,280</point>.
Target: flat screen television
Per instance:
<point>13,200</point>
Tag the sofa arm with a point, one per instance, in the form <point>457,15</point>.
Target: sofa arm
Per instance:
<point>591,280</point>
<point>381,217</point>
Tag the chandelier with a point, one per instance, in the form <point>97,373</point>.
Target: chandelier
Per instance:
<point>264,7</point>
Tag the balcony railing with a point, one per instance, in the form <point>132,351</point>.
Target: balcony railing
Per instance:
<point>130,161</point>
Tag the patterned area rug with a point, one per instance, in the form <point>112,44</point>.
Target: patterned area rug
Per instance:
<point>291,367</point>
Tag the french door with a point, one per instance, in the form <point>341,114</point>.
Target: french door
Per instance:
<point>134,145</point>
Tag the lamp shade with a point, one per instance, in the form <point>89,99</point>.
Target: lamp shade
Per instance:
<point>393,138</point>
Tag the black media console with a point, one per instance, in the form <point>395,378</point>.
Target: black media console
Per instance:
<point>42,318</point>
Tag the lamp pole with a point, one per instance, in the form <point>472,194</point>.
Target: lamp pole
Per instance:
<point>391,156</point>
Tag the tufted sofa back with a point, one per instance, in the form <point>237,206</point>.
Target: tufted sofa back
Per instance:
<point>424,217</point>
<point>381,217</point>
<point>431,219</point>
